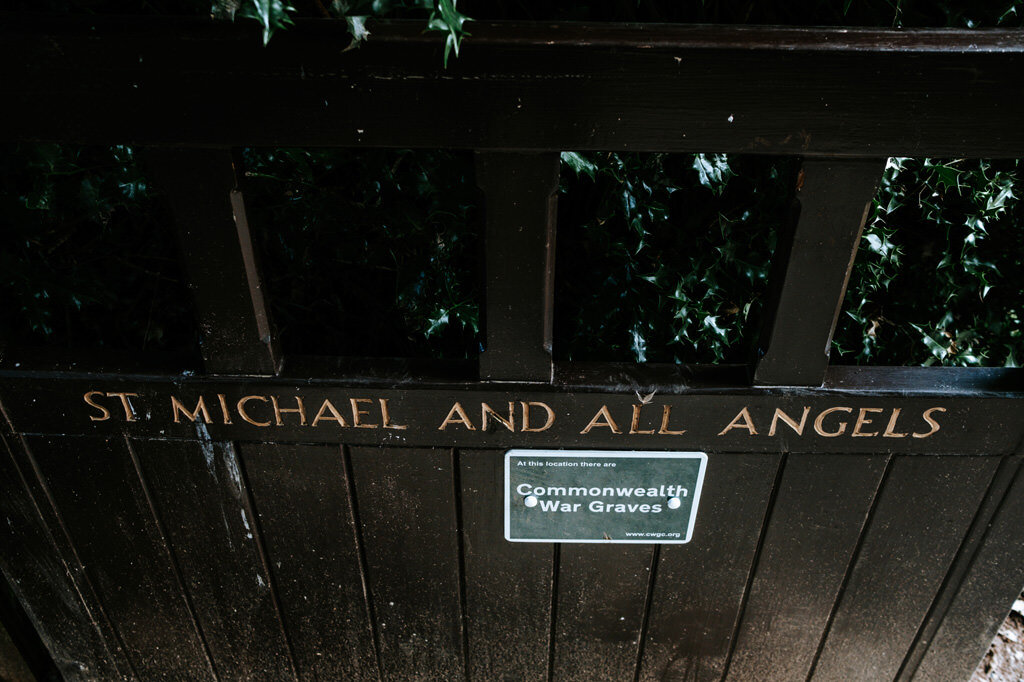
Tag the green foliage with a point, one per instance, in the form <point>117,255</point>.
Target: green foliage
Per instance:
<point>86,258</point>
<point>664,257</point>
<point>940,276</point>
<point>448,20</point>
<point>660,257</point>
<point>368,253</point>
<point>271,14</point>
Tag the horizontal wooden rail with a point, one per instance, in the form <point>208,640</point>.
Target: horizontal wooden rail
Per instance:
<point>812,92</point>
<point>914,413</point>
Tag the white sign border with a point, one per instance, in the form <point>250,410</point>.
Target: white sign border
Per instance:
<point>649,454</point>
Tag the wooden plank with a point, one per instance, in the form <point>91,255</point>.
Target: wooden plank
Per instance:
<point>810,269</point>
<point>815,524</point>
<point>301,496</point>
<point>519,195</point>
<point>220,263</point>
<point>920,518</point>
<point>508,585</point>
<point>972,421</point>
<point>41,581</point>
<point>812,92</point>
<point>97,489</point>
<point>407,510</point>
<point>699,588</point>
<point>601,603</point>
<point>958,570</point>
<point>203,503</point>
<point>982,597</point>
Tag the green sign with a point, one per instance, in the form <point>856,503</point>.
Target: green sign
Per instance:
<point>602,496</point>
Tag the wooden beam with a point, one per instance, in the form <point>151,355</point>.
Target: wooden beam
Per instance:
<point>810,270</point>
<point>879,416</point>
<point>519,192</point>
<point>813,92</point>
<point>220,262</point>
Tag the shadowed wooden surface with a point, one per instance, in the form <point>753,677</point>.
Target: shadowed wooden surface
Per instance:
<point>342,518</point>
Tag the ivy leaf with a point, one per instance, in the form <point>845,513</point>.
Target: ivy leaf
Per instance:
<point>356,29</point>
<point>947,176</point>
<point>272,15</point>
<point>713,170</point>
<point>938,350</point>
<point>579,164</point>
<point>447,19</point>
<point>436,324</point>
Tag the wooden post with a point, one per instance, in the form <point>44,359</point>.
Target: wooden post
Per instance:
<point>811,268</point>
<point>220,263</point>
<point>520,200</point>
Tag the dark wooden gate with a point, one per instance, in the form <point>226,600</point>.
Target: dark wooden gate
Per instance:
<point>857,523</point>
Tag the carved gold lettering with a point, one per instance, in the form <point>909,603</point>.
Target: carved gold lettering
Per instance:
<point>222,399</point>
<point>862,420</point>
<point>104,412</point>
<point>300,410</point>
<point>608,421</point>
<point>129,413</point>
<point>890,429</point>
<point>927,416</point>
<point>179,411</point>
<point>747,423</point>
<point>789,421</point>
<point>525,411</point>
<point>634,426</point>
<point>335,416</point>
<point>357,414</point>
<point>457,415</point>
<point>486,412</point>
<point>820,421</point>
<point>245,415</point>
<point>666,413</point>
<point>386,417</point>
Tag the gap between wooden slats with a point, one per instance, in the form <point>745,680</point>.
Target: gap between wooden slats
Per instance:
<point>408,516</point>
<point>51,520</point>
<point>302,497</point>
<point>172,558</point>
<point>94,484</point>
<point>508,586</point>
<point>921,516</point>
<point>76,633</point>
<point>199,492</point>
<point>972,615</point>
<point>696,598</point>
<point>802,563</point>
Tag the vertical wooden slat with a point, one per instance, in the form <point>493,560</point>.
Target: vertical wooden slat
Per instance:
<point>508,585</point>
<point>921,516</point>
<point>816,520</point>
<point>301,496</point>
<point>407,510</point>
<point>42,582</point>
<point>96,487</point>
<point>519,199</point>
<point>992,580</point>
<point>700,585</point>
<point>602,595</point>
<point>220,262</point>
<point>810,270</point>
<point>203,501</point>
